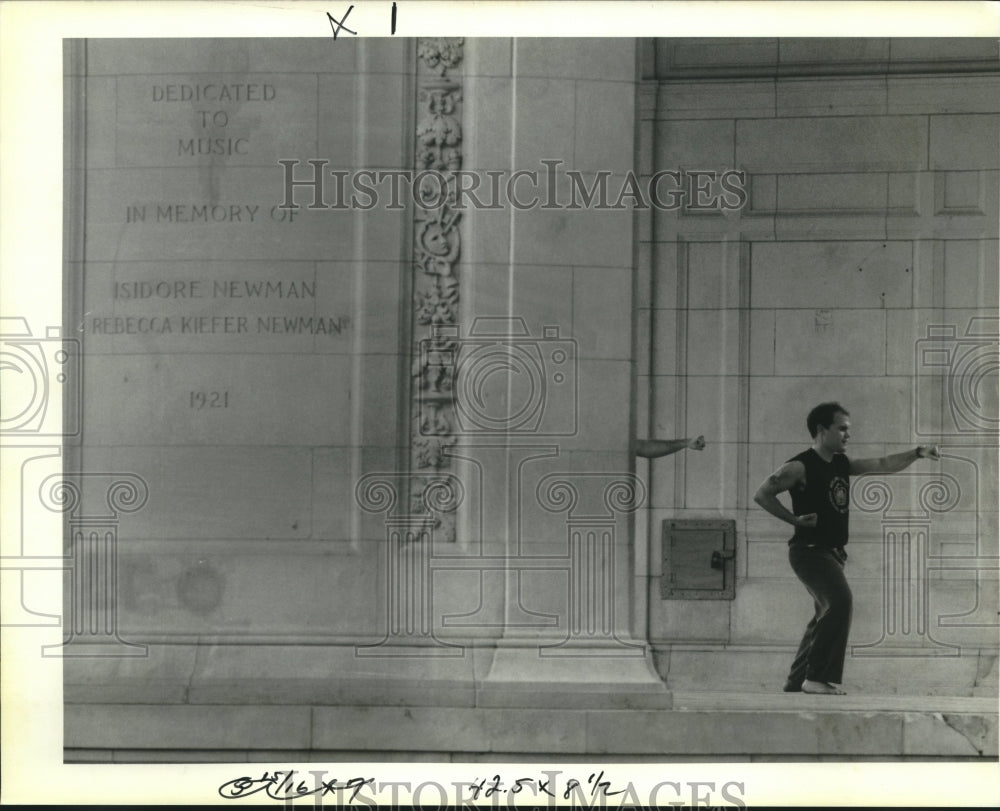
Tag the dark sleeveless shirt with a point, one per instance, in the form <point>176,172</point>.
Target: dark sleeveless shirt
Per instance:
<point>827,492</point>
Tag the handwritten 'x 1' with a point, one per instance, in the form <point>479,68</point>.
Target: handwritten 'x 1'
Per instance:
<point>338,25</point>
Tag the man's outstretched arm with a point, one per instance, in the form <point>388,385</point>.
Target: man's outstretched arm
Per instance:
<point>784,478</point>
<point>653,448</point>
<point>894,462</point>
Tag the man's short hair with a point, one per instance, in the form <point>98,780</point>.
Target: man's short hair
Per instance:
<point>823,416</point>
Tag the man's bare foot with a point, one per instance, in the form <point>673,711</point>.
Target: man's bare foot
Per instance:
<point>821,688</point>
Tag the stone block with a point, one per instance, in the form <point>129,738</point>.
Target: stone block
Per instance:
<point>711,479</point>
<point>944,205</point>
<point>186,727</point>
<point>545,112</point>
<point>756,618</point>
<point>177,218</point>
<point>584,237</point>
<point>611,59</point>
<point>964,142</point>
<point>214,492</point>
<point>543,297</point>
<point>846,193</point>
<point>763,194</point>
<point>802,52</point>
<point>945,50</point>
<point>666,257</point>
<point>664,344</point>
<point>949,734</point>
<point>368,294</point>
<point>713,342</point>
<point>487,235</point>
<point>543,514</point>
<point>730,99</point>
<point>602,311</point>
<point>216,55</point>
<point>284,401</point>
<point>181,756</point>
<point>379,393</point>
<point>335,512</point>
<point>804,226</point>
<point>604,412</point>
<point>970,272</point>
<point>716,732</point>
<point>763,341</point>
<point>344,675</point>
<point>850,274</point>
<point>928,271</point>
<point>184,592</point>
<point>663,493</point>
<point>696,145</point>
<point>874,403</point>
<point>488,56</point>
<point>487,133</point>
<point>705,55</point>
<point>359,124</point>
<point>907,336</point>
<point>101,105</point>
<point>839,96</point>
<point>603,110</point>
<point>711,402</point>
<point>831,144</point>
<point>936,95</point>
<point>382,55</point>
<point>686,620</point>
<point>850,341</point>
<point>468,602</point>
<point>159,677</point>
<point>962,191</point>
<point>713,274</point>
<point>642,357</point>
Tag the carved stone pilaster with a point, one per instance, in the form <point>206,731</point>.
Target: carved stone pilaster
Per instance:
<point>437,250</point>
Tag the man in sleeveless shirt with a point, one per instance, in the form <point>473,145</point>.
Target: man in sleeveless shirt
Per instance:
<point>819,482</point>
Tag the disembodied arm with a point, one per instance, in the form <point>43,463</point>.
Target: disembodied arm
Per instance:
<point>654,448</point>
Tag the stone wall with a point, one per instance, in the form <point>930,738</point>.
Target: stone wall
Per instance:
<point>862,268</point>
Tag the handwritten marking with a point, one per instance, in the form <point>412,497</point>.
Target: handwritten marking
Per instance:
<point>281,786</point>
<point>338,25</point>
<point>393,18</point>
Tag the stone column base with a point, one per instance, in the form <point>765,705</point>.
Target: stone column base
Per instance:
<point>573,675</point>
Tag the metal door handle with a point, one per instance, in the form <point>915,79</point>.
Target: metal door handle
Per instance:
<point>720,557</point>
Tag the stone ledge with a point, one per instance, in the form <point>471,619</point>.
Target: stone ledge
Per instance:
<point>805,727</point>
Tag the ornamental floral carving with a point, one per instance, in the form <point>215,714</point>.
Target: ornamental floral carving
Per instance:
<point>436,254</point>
<point>440,54</point>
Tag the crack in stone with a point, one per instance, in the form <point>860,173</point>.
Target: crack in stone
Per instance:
<point>973,729</point>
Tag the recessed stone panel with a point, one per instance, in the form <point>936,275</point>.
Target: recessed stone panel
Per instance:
<point>840,96</point>
<point>964,142</point>
<point>832,274</point>
<point>852,341</point>
<point>832,144</point>
<point>729,99</point>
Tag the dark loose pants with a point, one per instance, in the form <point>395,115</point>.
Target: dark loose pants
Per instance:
<point>824,645</point>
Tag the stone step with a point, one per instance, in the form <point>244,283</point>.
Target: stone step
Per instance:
<point>887,671</point>
<point>715,726</point>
